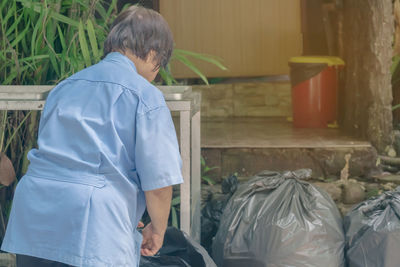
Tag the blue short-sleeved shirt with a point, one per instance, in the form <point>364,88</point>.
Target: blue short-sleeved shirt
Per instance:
<point>105,136</point>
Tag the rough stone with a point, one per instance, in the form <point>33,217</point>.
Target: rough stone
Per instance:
<point>372,186</point>
<point>391,152</point>
<point>332,189</point>
<point>389,186</point>
<point>353,192</point>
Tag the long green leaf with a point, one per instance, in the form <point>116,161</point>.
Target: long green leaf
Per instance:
<point>208,58</point>
<point>62,39</point>
<point>112,7</point>
<point>50,36</point>
<point>93,40</point>
<point>38,26</point>
<point>3,3</point>
<point>83,44</point>
<point>396,107</point>
<point>8,15</point>
<point>14,74</point>
<point>13,26</point>
<point>25,40</point>
<point>395,64</point>
<point>174,217</point>
<point>202,161</point>
<point>64,19</point>
<point>192,67</point>
<point>30,61</point>
<point>208,169</point>
<point>2,128</point>
<point>29,4</point>
<point>101,10</point>
<point>83,4</point>
<point>175,201</point>
<point>19,37</point>
<point>167,77</point>
<point>63,64</point>
<point>10,139</point>
<point>57,16</point>
<point>53,61</point>
<point>209,180</point>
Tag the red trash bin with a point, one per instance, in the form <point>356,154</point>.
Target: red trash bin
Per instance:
<point>314,90</point>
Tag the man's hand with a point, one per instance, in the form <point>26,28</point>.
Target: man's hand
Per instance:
<point>158,203</point>
<point>140,224</point>
<point>152,241</point>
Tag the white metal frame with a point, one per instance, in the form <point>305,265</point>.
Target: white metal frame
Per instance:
<point>188,106</point>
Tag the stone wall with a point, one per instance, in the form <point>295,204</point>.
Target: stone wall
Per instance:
<point>257,99</point>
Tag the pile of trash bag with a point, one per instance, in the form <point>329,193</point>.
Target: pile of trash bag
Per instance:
<point>212,211</point>
<point>277,219</point>
<point>373,232</point>
<point>178,250</point>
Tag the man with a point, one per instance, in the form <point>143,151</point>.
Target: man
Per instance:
<point>107,150</point>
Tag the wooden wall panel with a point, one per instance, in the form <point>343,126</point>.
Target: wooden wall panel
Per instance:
<point>253,37</point>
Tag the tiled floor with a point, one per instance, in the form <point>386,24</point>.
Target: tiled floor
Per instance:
<point>270,133</point>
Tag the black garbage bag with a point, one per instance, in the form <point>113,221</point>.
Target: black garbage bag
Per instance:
<point>276,219</point>
<point>373,232</point>
<point>162,260</point>
<point>212,211</point>
<point>230,184</point>
<point>178,250</point>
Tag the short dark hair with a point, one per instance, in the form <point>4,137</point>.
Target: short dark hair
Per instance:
<point>141,30</point>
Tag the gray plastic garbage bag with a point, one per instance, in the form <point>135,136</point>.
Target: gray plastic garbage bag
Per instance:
<point>373,232</point>
<point>178,250</point>
<point>279,220</point>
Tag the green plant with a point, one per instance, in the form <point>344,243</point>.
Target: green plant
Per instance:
<point>175,208</point>
<point>184,57</point>
<point>45,41</point>
<point>205,170</point>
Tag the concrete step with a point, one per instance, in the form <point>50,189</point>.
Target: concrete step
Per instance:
<point>250,145</point>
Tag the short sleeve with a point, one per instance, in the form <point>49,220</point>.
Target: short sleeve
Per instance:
<point>158,161</point>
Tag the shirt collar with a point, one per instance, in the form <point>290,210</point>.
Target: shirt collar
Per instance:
<point>118,57</point>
